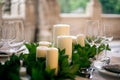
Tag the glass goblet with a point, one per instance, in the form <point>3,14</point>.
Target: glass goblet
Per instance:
<point>12,36</point>
<point>93,38</point>
<point>107,39</point>
<point>19,39</point>
<point>93,34</point>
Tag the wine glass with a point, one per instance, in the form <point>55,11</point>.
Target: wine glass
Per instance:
<point>107,39</point>
<point>19,39</point>
<point>12,36</point>
<point>93,38</point>
<point>93,33</point>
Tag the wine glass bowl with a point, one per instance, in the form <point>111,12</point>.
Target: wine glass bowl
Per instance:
<point>12,36</point>
<point>108,37</point>
<point>93,33</point>
<point>108,33</point>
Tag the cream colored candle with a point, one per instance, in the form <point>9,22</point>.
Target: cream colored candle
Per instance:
<point>74,39</point>
<point>60,29</point>
<point>45,43</point>
<point>65,42</point>
<point>52,59</point>
<point>81,39</point>
<point>22,71</point>
<point>41,51</point>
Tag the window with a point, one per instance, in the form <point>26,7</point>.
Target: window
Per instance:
<point>13,8</point>
<point>73,6</point>
<point>6,6</point>
<point>79,6</point>
<point>110,6</point>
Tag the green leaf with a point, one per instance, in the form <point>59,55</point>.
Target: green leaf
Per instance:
<point>31,47</point>
<point>37,74</point>
<point>49,73</point>
<point>10,69</point>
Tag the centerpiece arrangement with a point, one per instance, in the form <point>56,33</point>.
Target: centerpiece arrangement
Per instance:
<point>63,59</point>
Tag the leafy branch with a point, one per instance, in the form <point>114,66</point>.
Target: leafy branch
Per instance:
<point>37,69</point>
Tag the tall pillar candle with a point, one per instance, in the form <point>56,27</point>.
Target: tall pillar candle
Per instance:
<point>60,29</point>
<point>41,51</point>
<point>52,59</point>
<point>65,42</point>
<point>81,40</point>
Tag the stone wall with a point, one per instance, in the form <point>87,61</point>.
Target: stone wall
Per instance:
<point>0,11</point>
<point>29,20</point>
<point>49,15</point>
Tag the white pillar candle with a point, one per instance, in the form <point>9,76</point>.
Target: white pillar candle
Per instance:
<point>22,71</point>
<point>45,43</point>
<point>60,29</point>
<point>74,39</point>
<point>65,42</point>
<point>41,51</point>
<point>81,39</point>
<point>52,59</point>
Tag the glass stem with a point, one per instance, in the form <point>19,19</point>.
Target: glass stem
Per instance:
<point>105,50</point>
<point>97,52</point>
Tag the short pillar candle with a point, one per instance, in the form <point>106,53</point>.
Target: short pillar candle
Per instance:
<point>74,39</point>
<point>65,42</point>
<point>81,39</point>
<point>41,51</point>
<point>52,59</point>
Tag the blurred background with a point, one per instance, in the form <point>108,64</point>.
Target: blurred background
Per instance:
<point>40,15</point>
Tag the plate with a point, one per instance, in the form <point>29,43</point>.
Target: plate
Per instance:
<point>98,65</point>
<point>1,55</point>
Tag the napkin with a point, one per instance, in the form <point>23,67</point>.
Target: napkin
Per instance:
<point>112,68</point>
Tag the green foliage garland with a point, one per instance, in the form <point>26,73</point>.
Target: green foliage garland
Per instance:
<point>37,70</point>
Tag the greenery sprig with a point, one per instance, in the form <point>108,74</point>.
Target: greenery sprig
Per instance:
<point>10,69</point>
<point>37,70</point>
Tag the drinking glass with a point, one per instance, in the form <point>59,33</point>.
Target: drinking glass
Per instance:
<point>93,33</point>
<point>107,39</point>
<point>93,37</point>
<point>11,36</point>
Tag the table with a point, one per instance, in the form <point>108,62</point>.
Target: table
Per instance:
<point>115,58</point>
<point>97,75</point>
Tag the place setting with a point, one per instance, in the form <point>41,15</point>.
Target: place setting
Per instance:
<point>102,62</point>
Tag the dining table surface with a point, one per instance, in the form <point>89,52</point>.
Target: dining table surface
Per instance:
<point>114,55</point>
